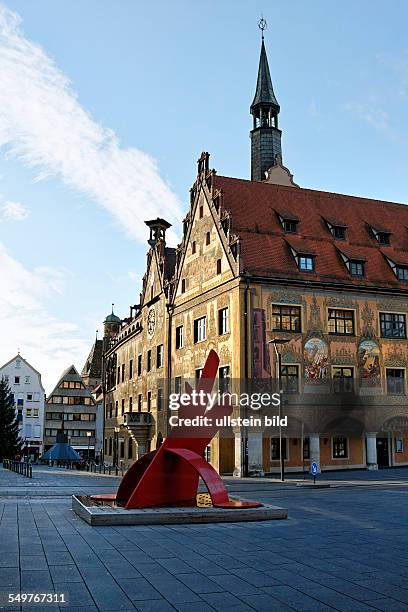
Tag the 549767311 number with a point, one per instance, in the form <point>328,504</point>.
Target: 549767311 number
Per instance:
<point>36,598</point>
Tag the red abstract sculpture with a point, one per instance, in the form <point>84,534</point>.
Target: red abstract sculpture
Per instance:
<point>169,475</point>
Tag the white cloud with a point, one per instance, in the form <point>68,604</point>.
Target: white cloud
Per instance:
<point>50,345</point>
<point>134,276</point>
<point>374,115</point>
<point>13,211</point>
<point>43,124</point>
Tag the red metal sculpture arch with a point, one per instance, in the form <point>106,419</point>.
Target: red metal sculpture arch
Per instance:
<point>170,475</point>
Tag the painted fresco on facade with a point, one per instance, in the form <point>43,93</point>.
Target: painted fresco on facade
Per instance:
<point>369,360</point>
<point>316,354</point>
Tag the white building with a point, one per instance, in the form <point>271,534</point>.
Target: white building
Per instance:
<point>25,384</point>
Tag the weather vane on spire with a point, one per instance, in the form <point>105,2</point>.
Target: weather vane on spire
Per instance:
<point>262,25</point>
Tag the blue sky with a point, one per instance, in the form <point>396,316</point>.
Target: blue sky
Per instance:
<point>105,107</point>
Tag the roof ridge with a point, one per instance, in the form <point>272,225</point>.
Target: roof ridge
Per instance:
<point>300,190</point>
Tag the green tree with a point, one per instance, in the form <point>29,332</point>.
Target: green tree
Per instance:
<point>10,442</point>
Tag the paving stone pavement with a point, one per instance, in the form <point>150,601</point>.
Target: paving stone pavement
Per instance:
<point>341,548</point>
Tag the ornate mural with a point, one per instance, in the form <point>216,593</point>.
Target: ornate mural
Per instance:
<point>367,326</point>
<point>369,361</point>
<point>395,358</point>
<point>391,306</point>
<point>291,356</point>
<point>315,323</point>
<point>285,297</point>
<point>341,302</point>
<point>316,359</point>
<point>343,356</point>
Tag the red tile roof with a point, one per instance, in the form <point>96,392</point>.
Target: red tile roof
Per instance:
<point>265,246</point>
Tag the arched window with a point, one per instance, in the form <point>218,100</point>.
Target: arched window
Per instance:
<point>110,446</point>
<point>130,448</point>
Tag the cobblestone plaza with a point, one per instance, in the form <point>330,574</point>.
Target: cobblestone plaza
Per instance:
<point>342,548</point>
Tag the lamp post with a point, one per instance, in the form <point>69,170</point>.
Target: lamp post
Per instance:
<point>88,435</point>
<point>115,456</point>
<point>278,342</point>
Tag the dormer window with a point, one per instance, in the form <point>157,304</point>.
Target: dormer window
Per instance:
<point>353,264</point>
<point>288,221</point>
<point>382,236</point>
<point>402,272</point>
<point>305,259</point>
<point>305,262</point>
<point>356,267</point>
<point>289,226</point>
<point>337,231</point>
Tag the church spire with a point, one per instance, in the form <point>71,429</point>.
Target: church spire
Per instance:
<point>265,135</point>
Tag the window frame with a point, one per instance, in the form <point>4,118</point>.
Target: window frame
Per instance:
<point>160,399</point>
<point>224,375</point>
<point>223,321</point>
<point>336,319</point>
<point>342,386</point>
<point>392,314</point>
<point>355,263</point>
<point>179,339</point>
<point>338,229</point>
<point>289,226</point>
<point>343,457</point>
<point>200,331</point>
<point>402,378</point>
<point>286,388</point>
<point>399,445</point>
<point>285,448</point>
<point>160,356</point>
<point>290,315</point>
<point>305,257</point>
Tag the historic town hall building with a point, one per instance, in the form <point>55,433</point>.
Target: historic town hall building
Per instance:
<point>266,264</point>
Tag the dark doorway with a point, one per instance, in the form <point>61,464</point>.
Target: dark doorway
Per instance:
<point>383,459</point>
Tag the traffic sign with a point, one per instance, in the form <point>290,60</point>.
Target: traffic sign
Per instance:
<point>314,469</point>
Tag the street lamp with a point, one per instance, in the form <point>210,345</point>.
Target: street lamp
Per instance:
<point>278,342</point>
<point>88,435</point>
<point>117,430</point>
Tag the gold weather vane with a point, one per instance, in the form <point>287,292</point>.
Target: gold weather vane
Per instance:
<point>262,25</point>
